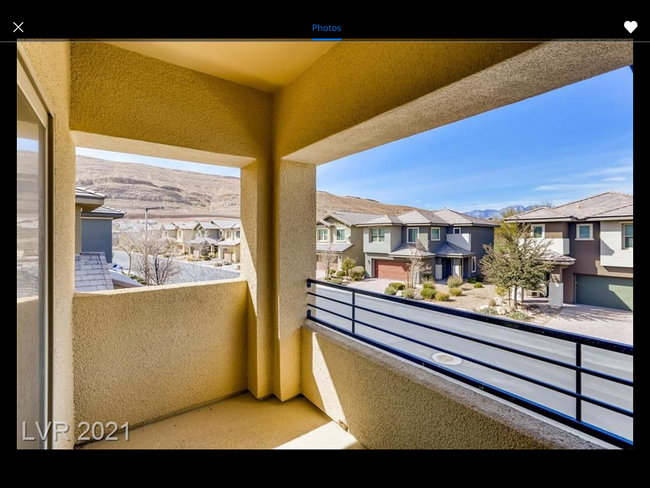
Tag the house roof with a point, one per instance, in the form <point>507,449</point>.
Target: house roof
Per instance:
<point>558,258</point>
<point>88,199</point>
<point>229,242</point>
<point>350,218</point>
<point>209,225</point>
<point>169,226</point>
<point>409,250</point>
<point>227,224</point>
<point>91,272</point>
<point>104,211</point>
<point>333,247</point>
<point>186,225</point>
<point>444,217</point>
<point>604,205</point>
<point>204,240</point>
<point>81,192</point>
<point>449,249</point>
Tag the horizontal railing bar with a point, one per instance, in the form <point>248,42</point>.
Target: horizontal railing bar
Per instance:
<point>499,369</point>
<point>500,321</point>
<point>556,362</point>
<point>493,390</point>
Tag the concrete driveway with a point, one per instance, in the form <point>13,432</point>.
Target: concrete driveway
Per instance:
<point>604,323</point>
<point>372,284</point>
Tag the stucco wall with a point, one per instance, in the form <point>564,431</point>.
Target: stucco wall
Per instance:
<point>27,368</point>
<point>611,245</point>
<point>147,352</point>
<point>97,236</point>
<point>389,404</point>
<point>49,62</point>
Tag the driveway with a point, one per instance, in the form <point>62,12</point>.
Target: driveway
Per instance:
<point>372,284</point>
<point>604,323</point>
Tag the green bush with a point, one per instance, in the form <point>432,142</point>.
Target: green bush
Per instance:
<point>442,297</point>
<point>502,291</point>
<point>357,273</point>
<point>480,279</point>
<point>429,284</point>
<point>397,285</point>
<point>489,311</point>
<point>390,291</point>
<point>336,281</point>
<point>454,281</point>
<point>456,292</point>
<point>517,315</point>
<point>348,264</point>
<point>492,302</point>
<point>427,277</point>
<point>428,293</point>
<point>340,273</point>
<point>409,293</point>
<point>471,280</point>
<point>205,258</point>
<point>478,285</point>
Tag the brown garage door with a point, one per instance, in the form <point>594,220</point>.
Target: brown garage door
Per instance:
<point>392,270</point>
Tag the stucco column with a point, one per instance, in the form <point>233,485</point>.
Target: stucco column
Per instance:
<point>256,267</point>
<point>295,260</point>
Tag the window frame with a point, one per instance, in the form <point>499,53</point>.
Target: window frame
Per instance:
<point>625,237</point>
<point>454,229</point>
<point>327,234</point>
<point>431,234</point>
<point>337,234</point>
<point>474,265</point>
<point>591,232</point>
<point>381,234</point>
<point>532,231</point>
<point>408,231</point>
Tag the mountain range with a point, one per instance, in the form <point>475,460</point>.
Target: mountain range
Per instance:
<point>130,187</point>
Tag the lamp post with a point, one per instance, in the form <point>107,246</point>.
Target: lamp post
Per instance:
<point>146,220</point>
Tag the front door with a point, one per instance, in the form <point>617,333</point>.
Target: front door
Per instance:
<point>457,267</point>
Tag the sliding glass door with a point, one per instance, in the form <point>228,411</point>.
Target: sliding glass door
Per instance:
<point>32,247</point>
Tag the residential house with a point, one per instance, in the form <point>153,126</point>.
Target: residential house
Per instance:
<point>208,235</point>
<point>229,245</point>
<point>338,236</point>
<point>592,246</point>
<point>451,244</point>
<point>186,232</point>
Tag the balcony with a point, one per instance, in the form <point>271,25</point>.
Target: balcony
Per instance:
<point>236,360</point>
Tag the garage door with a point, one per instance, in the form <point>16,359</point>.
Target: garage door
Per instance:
<point>392,270</point>
<point>604,291</point>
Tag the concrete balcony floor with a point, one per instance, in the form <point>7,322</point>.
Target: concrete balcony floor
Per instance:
<point>240,422</point>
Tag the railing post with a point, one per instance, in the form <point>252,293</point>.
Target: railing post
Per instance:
<point>353,310</point>
<point>578,382</point>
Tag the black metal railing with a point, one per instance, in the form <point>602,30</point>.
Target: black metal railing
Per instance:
<point>576,421</point>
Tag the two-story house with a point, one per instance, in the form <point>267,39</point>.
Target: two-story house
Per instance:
<point>592,246</point>
<point>451,243</point>
<point>229,245</point>
<point>186,232</point>
<point>208,235</point>
<point>338,236</point>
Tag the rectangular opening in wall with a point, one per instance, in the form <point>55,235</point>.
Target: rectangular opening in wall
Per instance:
<point>145,221</point>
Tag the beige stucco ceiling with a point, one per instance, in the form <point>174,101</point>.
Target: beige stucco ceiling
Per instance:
<point>266,66</point>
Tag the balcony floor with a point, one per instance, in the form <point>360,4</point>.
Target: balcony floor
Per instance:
<point>241,422</point>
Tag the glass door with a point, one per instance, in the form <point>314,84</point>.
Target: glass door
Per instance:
<point>32,122</point>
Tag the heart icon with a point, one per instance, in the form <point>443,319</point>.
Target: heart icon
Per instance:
<point>630,26</point>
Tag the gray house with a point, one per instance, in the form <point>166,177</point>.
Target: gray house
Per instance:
<point>94,223</point>
<point>451,243</point>
<point>591,244</point>
<point>338,236</point>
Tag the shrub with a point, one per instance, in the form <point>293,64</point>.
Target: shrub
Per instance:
<point>390,291</point>
<point>330,271</point>
<point>205,258</point>
<point>429,284</point>
<point>502,291</point>
<point>397,285</point>
<point>478,285</point>
<point>336,281</point>
<point>428,293</point>
<point>357,273</point>
<point>456,292</point>
<point>427,277</point>
<point>489,311</point>
<point>442,297</point>
<point>340,273</point>
<point>480,279</point>
<point>217,264</point>
<point>492,302</point>
<point>454,281</point>
<point>347,265</point>
<point>212,255</point>
<point>409,293</point>
<point>517,315</point>
<point>471,280</point>
<point>328,278</point>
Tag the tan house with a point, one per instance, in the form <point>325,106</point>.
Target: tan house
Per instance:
<point>186,232</point>
<point>591,242</point>
<point>229,245</point>
<point>338,236</point>
<point>207,237</point>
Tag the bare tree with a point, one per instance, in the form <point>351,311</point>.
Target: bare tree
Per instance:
<point>128,243</point>
<point>151,261</point>
<point>330,258</point>
<point>417,263</point>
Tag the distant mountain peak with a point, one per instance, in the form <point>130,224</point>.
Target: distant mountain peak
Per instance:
<point>490,213</point>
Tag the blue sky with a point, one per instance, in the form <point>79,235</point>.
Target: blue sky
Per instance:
<point>560,146</point>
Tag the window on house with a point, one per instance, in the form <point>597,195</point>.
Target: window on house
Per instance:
<point>435,233</point>
<point>627,235</point>
<point>456,230</point>
<point>584,231</point>
<point>238,234</point>
<point>412,234</point>
<point>340,234</point>
<point>473,264</point>
<point>538,231</point>
<point>377,235</point>
<point>323,235</point>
